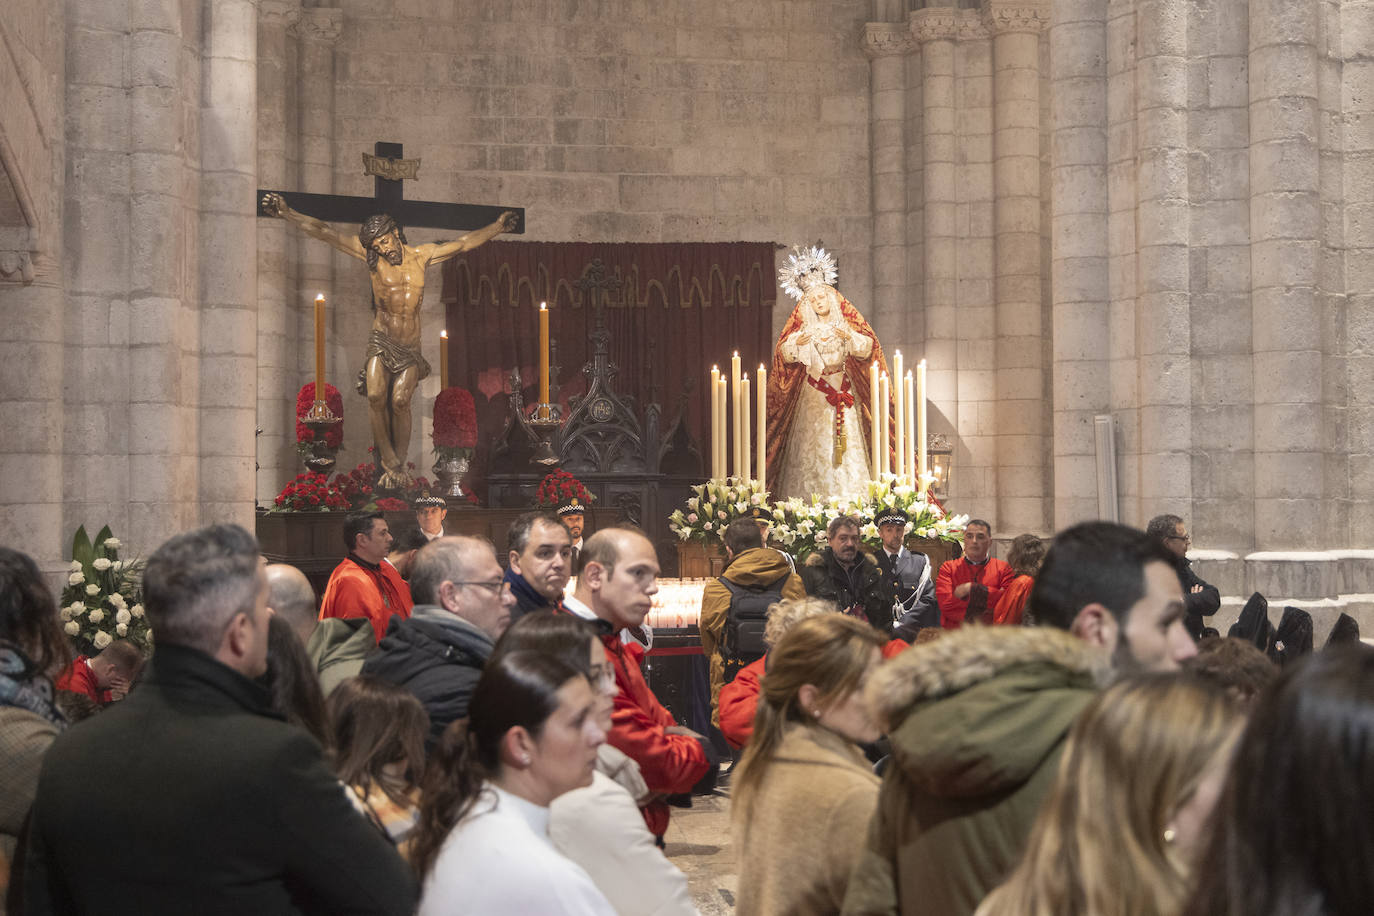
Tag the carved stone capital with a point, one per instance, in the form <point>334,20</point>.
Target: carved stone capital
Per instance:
<point>16,266</point>
<point>888,39</point>
<point>1021,17</point>
<point>935,23</point>
<point>281,13</point>
<point>319,24</point>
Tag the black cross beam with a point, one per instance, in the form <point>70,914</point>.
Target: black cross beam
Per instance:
<point>339,208</point>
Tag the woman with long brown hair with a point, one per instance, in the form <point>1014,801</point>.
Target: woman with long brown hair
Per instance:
<point>803,794</point>
<point>379,734</point>
<point>1131,803</point>
<point>483,844</point>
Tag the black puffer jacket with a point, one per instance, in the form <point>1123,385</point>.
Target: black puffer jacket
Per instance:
<point>860,590</point>
<point>435,656</point>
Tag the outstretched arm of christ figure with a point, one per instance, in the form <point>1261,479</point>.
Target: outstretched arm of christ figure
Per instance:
<point>435,252</point>
<point>276,205</point>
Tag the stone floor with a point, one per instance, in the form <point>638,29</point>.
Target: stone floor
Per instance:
<point>699,843</point>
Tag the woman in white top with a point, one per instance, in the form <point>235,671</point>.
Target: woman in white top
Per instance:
<point>600,827</point>
<point>532,734</point>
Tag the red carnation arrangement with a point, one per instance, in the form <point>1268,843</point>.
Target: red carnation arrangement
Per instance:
<point>391,504</point>
<point>455,424</point>
<point>356,486</point>
<point>333,436</point>
<point>311,492</point>
<point>559,487</point>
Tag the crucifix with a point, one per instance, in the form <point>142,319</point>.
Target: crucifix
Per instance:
<point>393,365</point>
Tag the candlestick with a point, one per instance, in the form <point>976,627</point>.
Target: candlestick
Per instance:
<point>543,358</point>
<point>748,439</point>
<point>909,402</point>
<point>921,468</point>
<point>901,415</point>
<point>762,460</point>
<point>874,462</point>
<point>884,421</point>
<point>319,347</point>
<point>715,423</point>
<point>443,360</point>
<point>738,452</point>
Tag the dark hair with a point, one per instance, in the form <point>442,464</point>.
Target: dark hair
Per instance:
<point>28,613</point>
<point>1288,835</point>
<point>442,559</point>
<point>375,723</point>
<point>518,534</point>
<point>409,539</point>
<point>1093,563</point>
<point>373,228</point>
<point>842,521</point>
<point>517,689</point>
<point>1163,526</point>
<point>197,582</point>
<point>292,680</point>
<point>1026,554</point>
<point>979,521</point>
<point>357,523</point>
<point>563,636</point>
<point>743,534</point>
<point>1234,665</point>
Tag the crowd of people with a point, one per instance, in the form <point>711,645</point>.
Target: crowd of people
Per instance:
<point>1054,734</point>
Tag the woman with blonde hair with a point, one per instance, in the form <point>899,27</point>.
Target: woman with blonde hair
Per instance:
<point>1131,805</point>
<point>803,793</point>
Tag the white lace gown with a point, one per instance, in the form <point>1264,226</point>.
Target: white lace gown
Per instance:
<point>808,465</point>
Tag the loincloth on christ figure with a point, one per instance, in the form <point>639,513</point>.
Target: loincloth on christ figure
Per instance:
<point>396,358</point>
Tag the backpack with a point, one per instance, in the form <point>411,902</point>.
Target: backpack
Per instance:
<point>742,640</point>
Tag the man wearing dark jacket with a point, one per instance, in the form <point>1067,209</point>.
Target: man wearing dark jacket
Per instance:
<point>540,562</point>
<point>844,574</point>
<point>1199,599</point>
<point>463,605</point>
<point>191,796</point>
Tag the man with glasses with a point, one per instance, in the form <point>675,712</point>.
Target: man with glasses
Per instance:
<point>1199,599</point>
<point>463,605</point>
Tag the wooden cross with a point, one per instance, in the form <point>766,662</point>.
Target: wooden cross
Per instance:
<point>389,198</point>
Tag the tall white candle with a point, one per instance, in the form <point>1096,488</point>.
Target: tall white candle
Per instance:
<point>884,428</point>
<point>738,452</point>
<point>874,462</point>
<point>909,402</point>
<point>762,460</point>
<point>746,448</point>
<point>715,423</point>
<point>722,437</point>
<point>900,469</point>
<point>921,468</point>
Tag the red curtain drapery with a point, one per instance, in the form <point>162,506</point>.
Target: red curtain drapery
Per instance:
<point>681,308</point>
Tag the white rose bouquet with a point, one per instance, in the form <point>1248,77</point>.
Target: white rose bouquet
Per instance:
<point>103,600</point>
<point>713,505</point>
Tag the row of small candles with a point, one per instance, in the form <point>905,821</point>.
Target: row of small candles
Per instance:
<point>676,605</point>
<point>730,402</point>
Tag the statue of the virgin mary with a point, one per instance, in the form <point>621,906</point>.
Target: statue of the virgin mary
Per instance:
<point>819,396</point>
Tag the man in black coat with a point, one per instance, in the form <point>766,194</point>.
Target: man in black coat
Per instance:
<point>844,574</point>
<point>462,606</point>
<point>191,796</point>
<point>1199,599</point>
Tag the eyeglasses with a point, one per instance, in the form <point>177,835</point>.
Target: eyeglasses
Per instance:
<point>494,587</point>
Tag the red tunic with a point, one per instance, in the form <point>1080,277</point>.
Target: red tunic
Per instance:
<point>79,678</point>
<point>669,763</point>
<point>375,592</point>
<point>1009,609</point>
<point>994,575</point>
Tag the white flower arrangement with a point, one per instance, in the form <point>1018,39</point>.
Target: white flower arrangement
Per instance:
<point>103,598</point>
<point>713,505</point>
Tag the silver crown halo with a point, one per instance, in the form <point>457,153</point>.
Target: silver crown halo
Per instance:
<point>805,268</point>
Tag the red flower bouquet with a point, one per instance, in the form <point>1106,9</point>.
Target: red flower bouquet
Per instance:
<point>356,487</point>
<point>559,487</point>
<point>455,424</point>
<point>311,492</point>
<point>333,436</point>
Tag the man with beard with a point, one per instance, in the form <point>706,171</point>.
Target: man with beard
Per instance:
<point>844,574</point>
<point>393,365</point>
<point>978,720</point>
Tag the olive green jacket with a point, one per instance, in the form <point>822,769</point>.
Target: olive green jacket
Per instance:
<point>977,721</point>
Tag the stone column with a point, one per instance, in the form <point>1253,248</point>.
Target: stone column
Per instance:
<point>887,45</point>
<point>1022,478</point>
<point>277,354</point>
<point>228,252</point>
<point>935,29</point>
<point>1078,227</point>
<point>1164,332</point>
<point>1285,221</point>
<point>1357,28</point>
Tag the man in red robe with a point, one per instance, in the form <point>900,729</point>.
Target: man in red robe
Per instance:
<point>975,579</point>
<point>364,584</point>
<point>104,677</point>
<point>614,592</point>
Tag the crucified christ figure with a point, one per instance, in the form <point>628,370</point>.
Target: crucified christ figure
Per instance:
<point>393,365</point>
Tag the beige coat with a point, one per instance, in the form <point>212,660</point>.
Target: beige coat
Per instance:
<point>805,827</point>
